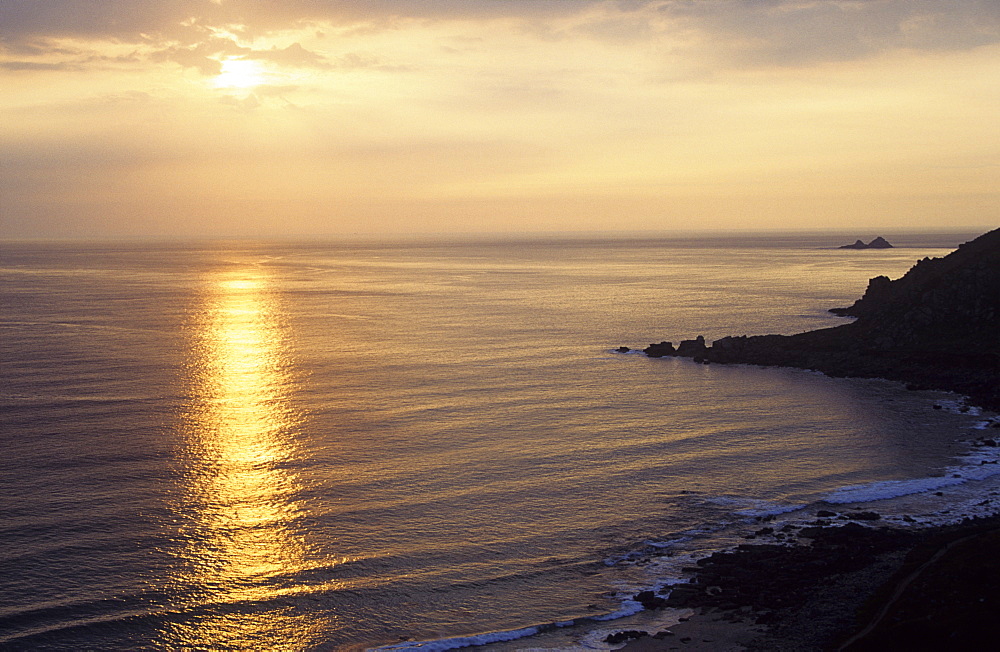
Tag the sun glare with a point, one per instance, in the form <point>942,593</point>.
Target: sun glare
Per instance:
<point>240,73</point>
<point>240,284</point>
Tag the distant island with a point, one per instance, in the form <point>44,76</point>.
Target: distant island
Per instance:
<point>937,327</point>
<point>877,243</point>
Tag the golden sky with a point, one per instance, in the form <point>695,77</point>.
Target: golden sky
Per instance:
<point>300,117</point>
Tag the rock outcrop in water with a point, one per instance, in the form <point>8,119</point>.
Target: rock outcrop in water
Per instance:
<point>877,243</point>
<point>937,327</point>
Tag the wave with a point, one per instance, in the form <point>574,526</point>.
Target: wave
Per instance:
<point>973,484</point>
<point>469,641</point>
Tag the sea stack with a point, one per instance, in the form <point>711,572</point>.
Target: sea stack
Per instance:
<point>877,243</point>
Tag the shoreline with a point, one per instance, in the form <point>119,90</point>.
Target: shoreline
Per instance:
<point>841,579</point>
<point>885,523</point>
<point>846,588</point>
<point>932,328</point>
<point>814,586</point>
<point>823,582</point>
<point>812,593</point>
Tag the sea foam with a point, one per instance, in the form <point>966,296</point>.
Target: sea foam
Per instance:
<point>463,641</point>
<point>886,489</point>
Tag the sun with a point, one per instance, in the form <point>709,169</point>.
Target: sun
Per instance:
<point>239,73</point>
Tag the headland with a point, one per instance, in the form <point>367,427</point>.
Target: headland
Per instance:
<point>936,327</point>
<point>844,583</point>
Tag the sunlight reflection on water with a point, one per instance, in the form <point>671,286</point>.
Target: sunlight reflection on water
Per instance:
<point>242,548</point>
<point>320,446</point>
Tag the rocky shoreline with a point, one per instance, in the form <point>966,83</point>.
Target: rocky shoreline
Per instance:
<point>935,328</point>
<point>842,582</point>
<point>843,586</point>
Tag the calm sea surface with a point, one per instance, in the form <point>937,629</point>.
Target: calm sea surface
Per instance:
<point>327,446</point>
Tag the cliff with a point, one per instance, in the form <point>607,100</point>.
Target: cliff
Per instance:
<point>937,327</point>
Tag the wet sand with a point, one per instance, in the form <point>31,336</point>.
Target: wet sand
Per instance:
<point>703,632</point>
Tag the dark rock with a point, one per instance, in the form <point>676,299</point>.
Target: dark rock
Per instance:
<point>934,328</point>
<point>858,244</point>
<point>683,595</point>
<point>879,290</point>
<point>623,349</point>
<point>796,587</point>
<point>825,513</point>
<point>950,605</point>
<point>692,348</point>
<point>659,350</point>
<point>769,577</point>
<point>877,243</point>
<point>865,516</point>
<point>732,346</point>
<point>650,600</point>
<point>627,635</point>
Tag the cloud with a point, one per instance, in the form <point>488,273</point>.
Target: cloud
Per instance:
<point>205,56</point>
<point>35,65</point>
<point>293,55</point>
<point>44,56</point>
<point>129,20</point>
<point>798,32</point>
<point>22,21</point>
<point>195,33</point>
<point>359,61</point>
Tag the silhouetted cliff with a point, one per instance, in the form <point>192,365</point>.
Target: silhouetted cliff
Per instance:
<point>948,301</point>
<point>936,327</point>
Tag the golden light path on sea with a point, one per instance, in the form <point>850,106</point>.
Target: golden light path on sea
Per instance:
<point>242,550</point>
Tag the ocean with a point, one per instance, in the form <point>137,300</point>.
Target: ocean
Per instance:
<point>420,444</point>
